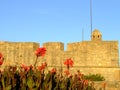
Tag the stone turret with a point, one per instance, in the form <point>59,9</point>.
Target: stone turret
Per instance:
<point>96,35</point>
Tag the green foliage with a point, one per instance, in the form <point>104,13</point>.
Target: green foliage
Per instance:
<point>94,77</point>
<point>8,87</point>
<point>30,82</point>
<point>37,80</point>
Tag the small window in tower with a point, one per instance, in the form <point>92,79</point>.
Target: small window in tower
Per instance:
<point>98,36</point>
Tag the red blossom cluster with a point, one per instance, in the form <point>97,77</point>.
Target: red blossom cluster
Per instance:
<point>42,67</point>
<point>53,71</point>
<point>1,59</point>
<point>69,62</point>
<point>27,68</point>
<point>85,82</point>
<point>40,52</point>
<point>67,72</point>
<point>80,75</point>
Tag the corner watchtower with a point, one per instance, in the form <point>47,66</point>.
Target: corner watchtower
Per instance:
<point>96,35</point>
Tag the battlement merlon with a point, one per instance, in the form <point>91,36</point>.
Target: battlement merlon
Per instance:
<point>77,46</point>
<point>102,53</point>
<point>54,46</point>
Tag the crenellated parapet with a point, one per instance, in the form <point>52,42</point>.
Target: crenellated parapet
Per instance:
<point>54,46</point>
<point>85,53</point>
<point>88,55</point>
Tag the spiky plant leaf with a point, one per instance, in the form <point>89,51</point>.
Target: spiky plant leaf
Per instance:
<point>30,82</point>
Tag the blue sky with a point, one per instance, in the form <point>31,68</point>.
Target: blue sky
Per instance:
<point>57,20</point>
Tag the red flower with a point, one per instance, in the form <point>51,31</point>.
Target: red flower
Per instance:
<point>40,52</point>
<point>80,75</point>
<point>23,66</point>
<point>85,82</point>
<point>1,56</point>
<point>43,66</point>
<point>31,67</point>
<point>53,70</point>
<point>40,68</point>
<point>1,59</point>
<point>26,68</point>
<point>67,72</point>
<point>69,62</point>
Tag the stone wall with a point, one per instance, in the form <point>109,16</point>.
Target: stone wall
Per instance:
<point>110,85</point>
<point>89,56</point>
<point>16,53</point>
<point>110,73</point>
<point>90,53</point>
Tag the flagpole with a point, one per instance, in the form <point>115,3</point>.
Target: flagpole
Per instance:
<point>82,34</point>
<point>91,15</point>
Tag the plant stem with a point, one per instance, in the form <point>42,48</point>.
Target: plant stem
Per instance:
<point>68,67</point>
<point>35,62</point>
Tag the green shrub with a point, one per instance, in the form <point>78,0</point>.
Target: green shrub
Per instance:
<point>94,77</point>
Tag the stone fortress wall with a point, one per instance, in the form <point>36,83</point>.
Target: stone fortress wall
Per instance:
<point>95,56</point>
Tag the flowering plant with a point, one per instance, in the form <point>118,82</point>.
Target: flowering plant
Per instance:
<point>39,52</point>
<point>42,67</point>
<point>30,79</point>
<point>68,63</point>
<point>1,59</point>
<point>67,72</point>
<point>53,71</point>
